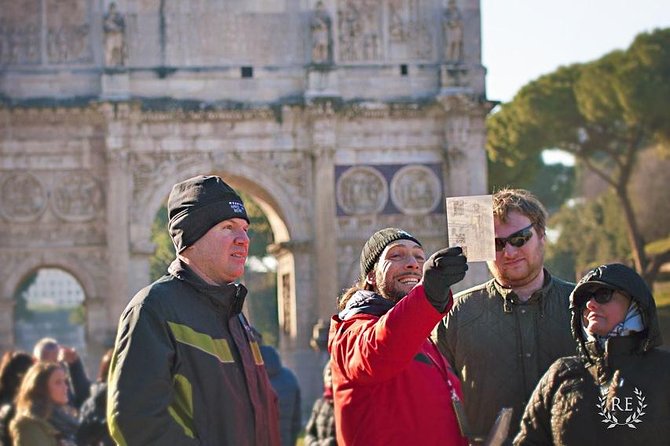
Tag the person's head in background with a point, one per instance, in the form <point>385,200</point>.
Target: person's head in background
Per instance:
<point>43,389</point>
<point>46,349</point>
<point>13,368</point>
<point>103,368</point>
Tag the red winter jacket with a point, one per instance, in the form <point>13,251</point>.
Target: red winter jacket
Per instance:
<point>389,380</point>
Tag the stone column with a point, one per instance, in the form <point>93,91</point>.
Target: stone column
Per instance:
<point>119,200</point>
<point>325,230</point>
<point>465,154</point>
<point>7,322</point>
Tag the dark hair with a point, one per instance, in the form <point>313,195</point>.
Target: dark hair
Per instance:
<point>33,397</point>
<point>13,367</point>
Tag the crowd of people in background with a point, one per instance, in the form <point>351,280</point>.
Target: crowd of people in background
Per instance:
<point>408,361</point>
<point>47,399</point>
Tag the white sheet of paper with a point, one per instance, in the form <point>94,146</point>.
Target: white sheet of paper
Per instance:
<point>470,226</point>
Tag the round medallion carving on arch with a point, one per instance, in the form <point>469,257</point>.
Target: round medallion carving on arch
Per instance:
<point>415,190</point>
<point>77,196</point>
<point>362,190</point>
<point>24,197</point>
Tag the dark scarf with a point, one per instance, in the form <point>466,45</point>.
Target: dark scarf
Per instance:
<point>66,423</point>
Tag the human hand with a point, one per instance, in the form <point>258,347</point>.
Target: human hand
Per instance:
<point>443,269</point>
<point>67,354</point>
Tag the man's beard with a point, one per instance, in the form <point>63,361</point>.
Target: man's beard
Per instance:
<point>388,290</point>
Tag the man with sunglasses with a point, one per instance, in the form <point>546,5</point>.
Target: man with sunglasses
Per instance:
<point>501,336</point>
<point>616,391</point>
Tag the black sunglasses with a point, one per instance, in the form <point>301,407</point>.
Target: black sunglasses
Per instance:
<point>601,295</point>
<point>518,239</point>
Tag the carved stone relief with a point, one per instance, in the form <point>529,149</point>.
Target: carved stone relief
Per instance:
<point>362,190</point>
<point>24,198</point>
<point>360,30</point>
<point>20,32</point>
<point>387,189</point>
<point>415,190</point>
<point>77,196</point>
<point>68,31</point>
<point>406,26</point>
<point>149,169</point>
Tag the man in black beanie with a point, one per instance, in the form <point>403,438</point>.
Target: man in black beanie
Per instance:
<point>187,368</point>
<point>391,385</point>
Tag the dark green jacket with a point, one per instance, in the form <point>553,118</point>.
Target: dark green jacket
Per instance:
<point>500,347</point>
<point>629,377</point>
<point>187,369</point>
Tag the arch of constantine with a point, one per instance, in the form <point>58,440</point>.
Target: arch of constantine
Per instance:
<point>339,117</point>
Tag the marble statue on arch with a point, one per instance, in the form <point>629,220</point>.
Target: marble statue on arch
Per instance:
<point>114,27</point>
<point>453,33</point>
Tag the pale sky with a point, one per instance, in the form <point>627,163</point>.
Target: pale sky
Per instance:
<point>523,39</point>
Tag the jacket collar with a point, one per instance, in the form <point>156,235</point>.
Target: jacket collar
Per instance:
<point>229,297</point>
<point>365,302</point>
<point>509,294</point>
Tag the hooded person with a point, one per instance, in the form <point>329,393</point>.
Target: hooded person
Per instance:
<point>186,367</point>
<point>285,384</point>
<point>616,391</point>
<point>391,386</point>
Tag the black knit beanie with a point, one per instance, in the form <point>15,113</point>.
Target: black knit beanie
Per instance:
<point>375,245</point>
<point>197,204</point>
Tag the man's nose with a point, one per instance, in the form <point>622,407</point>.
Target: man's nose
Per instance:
<point>242,238</point>
<point>413,263</point>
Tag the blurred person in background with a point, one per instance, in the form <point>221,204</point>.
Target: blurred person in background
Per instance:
<point>13,368</point>
<point>320,429</point>
<point>93,429</point>
<point>285,384</point>
<point>48,349</point>
<point>43,390</point>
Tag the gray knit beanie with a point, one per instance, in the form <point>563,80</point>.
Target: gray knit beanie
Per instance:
<point>197,204</point>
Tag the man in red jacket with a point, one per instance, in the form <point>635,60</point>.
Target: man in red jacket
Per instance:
<point>391,385</point>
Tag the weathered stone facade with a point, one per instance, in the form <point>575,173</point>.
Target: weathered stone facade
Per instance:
<point>339,120</point>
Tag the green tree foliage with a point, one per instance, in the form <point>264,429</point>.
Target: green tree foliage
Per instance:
<point>590,231</point>
<point>165,253</point>
<point>604,113</point>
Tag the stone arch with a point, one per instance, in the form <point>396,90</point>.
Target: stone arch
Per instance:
<point>97,333</point>
<point>50,259</point>
<point>269,193</point>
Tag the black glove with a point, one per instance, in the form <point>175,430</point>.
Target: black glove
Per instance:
<point>443,269</point>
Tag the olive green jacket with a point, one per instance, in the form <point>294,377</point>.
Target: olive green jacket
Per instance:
<point>29,430</point>
<point>500,346</point>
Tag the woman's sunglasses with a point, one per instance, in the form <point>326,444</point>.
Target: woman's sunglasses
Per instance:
<point>518,239</point>
<point>601,295</point>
